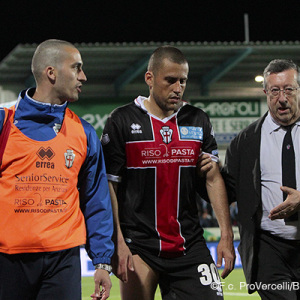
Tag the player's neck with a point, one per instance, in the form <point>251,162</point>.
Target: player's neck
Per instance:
<point>155,110</point>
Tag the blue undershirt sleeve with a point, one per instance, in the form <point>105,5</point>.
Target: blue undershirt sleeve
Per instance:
<point>95,200</point>
<point>2,117</point>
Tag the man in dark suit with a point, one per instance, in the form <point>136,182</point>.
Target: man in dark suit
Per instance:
<point>268,204</point>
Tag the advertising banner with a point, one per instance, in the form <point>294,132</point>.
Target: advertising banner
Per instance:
<point>229,117</point>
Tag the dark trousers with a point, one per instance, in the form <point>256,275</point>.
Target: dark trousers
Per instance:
<point>41,276</point>
<point>278,274</point>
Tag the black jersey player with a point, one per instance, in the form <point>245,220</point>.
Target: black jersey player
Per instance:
<point>151,149</point>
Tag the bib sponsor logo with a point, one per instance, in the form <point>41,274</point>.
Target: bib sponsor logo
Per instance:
<point>37,201</point>
<point>45,155</point>
<point>55,202</point>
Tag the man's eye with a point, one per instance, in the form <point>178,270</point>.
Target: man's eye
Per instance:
<point>274,90</point>
<point>77,67</point>
<point>171,80</point>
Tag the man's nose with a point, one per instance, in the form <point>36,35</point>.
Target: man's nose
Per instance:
<point>82,76</point>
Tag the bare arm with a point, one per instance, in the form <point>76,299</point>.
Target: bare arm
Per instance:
<point>122,258</point>
<point>218,198</point>
<point>204,164</point>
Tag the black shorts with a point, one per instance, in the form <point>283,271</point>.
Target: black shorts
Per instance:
<point>41,276</point>
<point>192,276</point>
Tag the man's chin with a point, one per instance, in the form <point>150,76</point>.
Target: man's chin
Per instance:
<point>71,100</point>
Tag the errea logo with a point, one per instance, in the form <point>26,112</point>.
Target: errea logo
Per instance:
<point>136,128</point>
<point>45,154</point>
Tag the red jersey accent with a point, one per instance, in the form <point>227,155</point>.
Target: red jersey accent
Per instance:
<point>167,154</point>
<point>4,133</point>
<point>38,190</point>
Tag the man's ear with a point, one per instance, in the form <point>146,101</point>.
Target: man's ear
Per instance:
<point>149,78</point>
<point>50,71</point>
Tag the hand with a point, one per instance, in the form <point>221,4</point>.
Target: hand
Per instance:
<point>225,250</point>
<point>287,207</point>
<point>122,261</point>
<point>101,278</point>
<point>204,164</point>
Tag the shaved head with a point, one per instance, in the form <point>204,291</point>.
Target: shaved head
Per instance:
<point>48,53</point>
<point>165,52</point>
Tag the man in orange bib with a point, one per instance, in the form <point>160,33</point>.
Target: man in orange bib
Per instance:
<point>54,193</point>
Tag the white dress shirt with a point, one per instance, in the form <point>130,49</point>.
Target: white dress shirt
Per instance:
<point>272,135</point>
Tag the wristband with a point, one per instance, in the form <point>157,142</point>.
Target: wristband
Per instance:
<point>105,267</point>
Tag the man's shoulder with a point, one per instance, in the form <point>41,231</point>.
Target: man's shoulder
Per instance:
<point>194,112</point>
<point>74,117</point>
<point>120,110</point>
<point>4,114</point>
<point>127,112</point>
<point>2,117</point>
<point>250,133</point>
<point>193,116</point>
<point>88,128</point>
<point>189,107</point>
<point>254,127</point>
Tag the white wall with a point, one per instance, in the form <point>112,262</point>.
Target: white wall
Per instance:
<point>6,96</point>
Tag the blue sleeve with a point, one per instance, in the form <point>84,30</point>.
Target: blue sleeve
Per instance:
<point>95,200</point>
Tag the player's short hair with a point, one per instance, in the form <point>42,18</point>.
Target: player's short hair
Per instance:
<point>165,52</point>
<point>48,53</point>
<point>280,65</point>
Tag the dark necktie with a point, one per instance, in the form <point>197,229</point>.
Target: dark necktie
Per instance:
<point>288,167</point>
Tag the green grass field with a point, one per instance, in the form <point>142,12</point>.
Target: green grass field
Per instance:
<point>233,288</point>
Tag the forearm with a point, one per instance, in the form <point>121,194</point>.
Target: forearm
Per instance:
<point>117,236</point>
<point>122,259</point>
<point>218,198</point>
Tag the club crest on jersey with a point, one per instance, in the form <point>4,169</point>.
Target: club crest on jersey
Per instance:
<point>69,158</point>
<point>166,134</point>
<point>105,139</point>
<point>56,128</point>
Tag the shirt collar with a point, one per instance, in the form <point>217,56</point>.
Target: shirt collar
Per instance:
<point>30,92</point>
<point>272,125</point>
